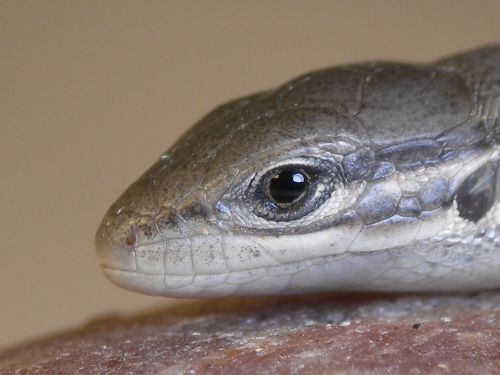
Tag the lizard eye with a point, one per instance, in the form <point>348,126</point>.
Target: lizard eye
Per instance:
<point>290,191</point>
<point>288,186</point>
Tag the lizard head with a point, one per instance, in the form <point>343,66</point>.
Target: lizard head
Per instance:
<point>330,181</point>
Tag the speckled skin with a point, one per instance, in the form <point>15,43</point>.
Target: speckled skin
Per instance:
<point>396,143</point>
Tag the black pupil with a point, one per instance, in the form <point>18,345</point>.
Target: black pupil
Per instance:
<point>287,186</point>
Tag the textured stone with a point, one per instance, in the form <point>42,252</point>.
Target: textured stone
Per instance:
<point>334,334</point>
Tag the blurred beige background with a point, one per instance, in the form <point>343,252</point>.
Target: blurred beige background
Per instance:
<point>92,92</point>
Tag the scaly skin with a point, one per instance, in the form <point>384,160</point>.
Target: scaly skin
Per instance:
<point>403,193</point>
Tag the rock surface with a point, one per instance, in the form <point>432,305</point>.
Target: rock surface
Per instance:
<point>333,334</point>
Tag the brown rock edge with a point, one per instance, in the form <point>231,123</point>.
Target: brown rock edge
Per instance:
<point>330,334</point>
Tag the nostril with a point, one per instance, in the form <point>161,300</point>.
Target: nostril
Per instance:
<point>130,239</point>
